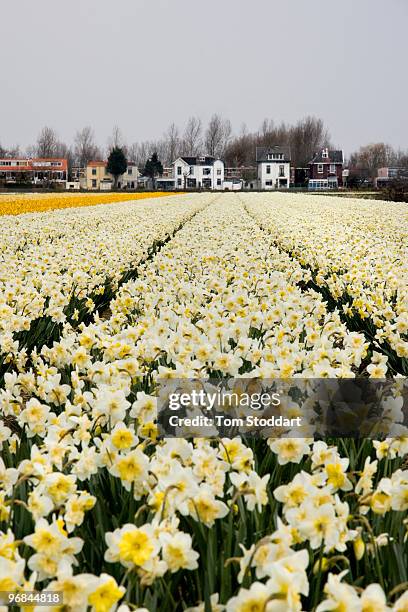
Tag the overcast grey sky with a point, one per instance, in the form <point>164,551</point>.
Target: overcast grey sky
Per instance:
<point>142,64</point>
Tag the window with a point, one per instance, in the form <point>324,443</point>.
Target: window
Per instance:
<point>269,183</point>
<point>5,163</point>
<point>219,171</point>
<point>332,168</point>
<point>192,170</point>
<point>206,171</point>
<point>179,182</point>
<point>325,153</point>
<point>219,182</point>
<point>93,171</point>
<point>281,170</point>
<point>94,183</point>
<point>179,171</point>
<point>268,169</point>
<point>320,168</point>
<point>130,171</point>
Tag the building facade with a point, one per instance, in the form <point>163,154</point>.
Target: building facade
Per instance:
<point>36,171</point>
<point>204,172</point>
<point>99,179</point>
<point>385,175</point>
<point>326,170</point>
<point>240,172</point>
<point>129,180</point>
<point>273,167</point>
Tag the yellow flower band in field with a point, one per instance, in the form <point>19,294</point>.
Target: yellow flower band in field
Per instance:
<point>18,204</point>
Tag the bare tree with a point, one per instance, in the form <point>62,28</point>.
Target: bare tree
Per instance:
<point>267,126</point>
<point>11,152</point>
<point>227,135</point>
<point>217,136</point>
<point>192,137</point>
<point>134,153</point>
<point>116,140</point>
<point>241,151</point>
<point>140,152</point>
<point>64,152</point>
<point>306,138</point>
<point>14,151</point>
<point>172,144</point>
<point>214,135</point>
<point>47,142</point>
<point>401,159</point>
<point>371,157</point>
<point>85,147</point>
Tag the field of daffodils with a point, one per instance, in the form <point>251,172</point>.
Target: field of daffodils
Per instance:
<point>97,304</point>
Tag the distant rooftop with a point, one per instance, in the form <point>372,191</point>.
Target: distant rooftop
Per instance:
<point>334,157</point>
<point>265,154</point>
<point>199,160</point>
<point>97,164</point>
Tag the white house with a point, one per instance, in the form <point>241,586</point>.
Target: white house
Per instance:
<point>129,179</point>
<point>273,167</point>
<point>204,172</point>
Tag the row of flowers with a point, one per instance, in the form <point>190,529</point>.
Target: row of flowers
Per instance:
<point>356,250</point>
<point>94,505</point>
<point>55,266</point>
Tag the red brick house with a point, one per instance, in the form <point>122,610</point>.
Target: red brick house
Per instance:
<point>326,170</point>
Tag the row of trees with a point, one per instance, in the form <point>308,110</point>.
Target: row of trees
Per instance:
<point>192,141</point>
<point>215,139</point>
<point>364,163</point>
<point>304,138</point>
<point>48,144</point>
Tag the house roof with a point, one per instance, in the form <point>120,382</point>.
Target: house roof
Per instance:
<point>97,164</point>
<point>203,160</point>
<point>263,152</point>
<point>335,157</point>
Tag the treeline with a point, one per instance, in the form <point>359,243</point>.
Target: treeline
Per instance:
<point>364,163</point>
<point>305,137</point>
<point>216,138</point>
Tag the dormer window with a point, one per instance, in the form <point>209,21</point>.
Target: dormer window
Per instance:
<point>325,153</point>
